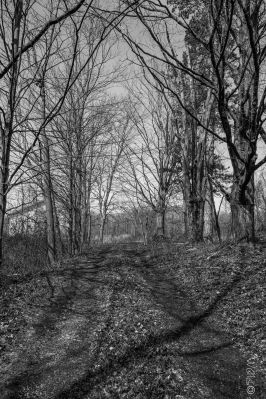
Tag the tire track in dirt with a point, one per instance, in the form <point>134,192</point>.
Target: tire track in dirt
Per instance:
<point>62,345</point>
<point>61,333</point>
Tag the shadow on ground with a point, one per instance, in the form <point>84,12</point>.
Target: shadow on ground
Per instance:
<point>61,355</point>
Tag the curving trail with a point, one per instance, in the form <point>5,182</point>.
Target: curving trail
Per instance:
<point>67,351</point>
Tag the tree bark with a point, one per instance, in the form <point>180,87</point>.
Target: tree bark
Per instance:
<point>160,223</point>
<point>242,209</point>
<point>186,197</point>
<point>51,244</point>
<point>214,217</point>
<point>7,132</point>
<point>197,219</point>
<point>102,226</point>
<point>160,213</point>
<point>194,144</point>
<point>77,227</point>
<point>47,185</point>
<point>71,205</point>
<point>59,247</point>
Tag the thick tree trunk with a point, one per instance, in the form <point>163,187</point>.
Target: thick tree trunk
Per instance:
<point>194,212</point>
<point>242,210</point>
<point>242,222</point>
<point>242,196</point>
<point>194,147</point>
<point>198,191</point>
<point>247,125</point>
<point>160,223</point>
<point>197,219</point>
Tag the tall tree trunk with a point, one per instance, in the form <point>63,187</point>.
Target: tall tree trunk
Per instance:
<point>47,186</point>
<point>160,213</point>
<point>84,214</point>
<point>4,172</point>
<point>143,226</point>
<point>51,244</point>
<point>102,226</point>
<point>7,132</point>
<point>78,201</point>
<point>186,199</point>
<point>242,210</point>
<point>160,223</point>
<point>86,223</point>
<point>77,229</point>
<point>197,219</point>
<point>86,220</point>
<point>47,192</point>
<point>89,229</point>
<point>2,217</point>
<point>194,165</point>
<point>214,214</point>
<point>198,189</point>
<point>211,228</point>
<point>242,197</point>
<point>58,237</point>
<point>71,206</point>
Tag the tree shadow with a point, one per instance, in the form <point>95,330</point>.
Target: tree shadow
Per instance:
<point>54,310</point>
<point>219,365</point>
<point>203,361</point>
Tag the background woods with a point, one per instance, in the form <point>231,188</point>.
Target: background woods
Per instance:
<point>135,120</point>
<point>132,199</point>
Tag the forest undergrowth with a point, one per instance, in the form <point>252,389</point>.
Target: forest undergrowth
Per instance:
<point>128,321</point>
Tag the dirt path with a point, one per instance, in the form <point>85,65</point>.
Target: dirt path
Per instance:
<point>77,343</point>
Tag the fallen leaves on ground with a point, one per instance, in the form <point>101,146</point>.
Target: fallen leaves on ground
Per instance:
<point>143,297</point>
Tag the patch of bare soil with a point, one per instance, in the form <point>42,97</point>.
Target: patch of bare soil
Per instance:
<point>127,322</point>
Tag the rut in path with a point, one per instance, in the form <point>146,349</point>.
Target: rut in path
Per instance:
<point>60,349</point>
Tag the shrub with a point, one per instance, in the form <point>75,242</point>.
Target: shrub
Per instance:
<point>24,254</point>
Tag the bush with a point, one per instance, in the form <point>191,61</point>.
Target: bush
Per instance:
<point>24,254</point>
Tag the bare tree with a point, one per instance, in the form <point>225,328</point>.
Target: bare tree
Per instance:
<point>154,160</point>
<point>231,36</point>
<point>16,28</point>
<point>84,118</point>
<point>24,30</point>
<point>112,155</point>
